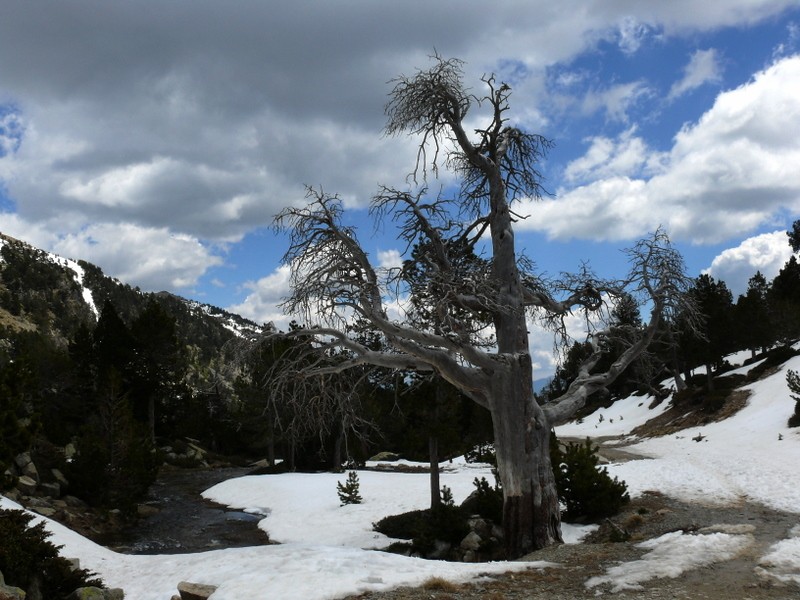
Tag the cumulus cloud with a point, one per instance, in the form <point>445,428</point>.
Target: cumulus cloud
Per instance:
<point>766,253</point>
<point>607,158</point>
<point>727,174</point>
<point>261,304</point>
<point>206,126</point>
<point>704,67</point>
<point>153,259</point>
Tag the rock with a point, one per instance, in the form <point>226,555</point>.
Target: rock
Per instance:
<point>51,490</point>
<point>8,592</point>
<point>440,550</point>
<point>195,591</point>
<point>113,594</point>
<point>74,502</point>
<point>23,460</point>
<point>45,511</point>
<point>480,526</point>
<point>59,477</point>
<point>26,485</point>
<point>472,541</point>
<point>385,457</point>
<point>70,451</point>
<point>31,471</point>
<point>145,510</point>
<point>470,556</point>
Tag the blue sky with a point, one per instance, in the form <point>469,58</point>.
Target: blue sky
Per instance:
<point>158,140</point>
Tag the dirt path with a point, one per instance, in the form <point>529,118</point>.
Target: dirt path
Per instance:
<point>647,517</point>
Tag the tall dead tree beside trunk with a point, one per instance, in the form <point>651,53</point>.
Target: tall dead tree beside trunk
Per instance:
<point>477,297</point>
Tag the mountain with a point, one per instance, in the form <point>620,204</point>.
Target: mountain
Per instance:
<point>43,292</point>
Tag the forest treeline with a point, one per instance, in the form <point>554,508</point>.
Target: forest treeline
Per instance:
<point>150,369</point>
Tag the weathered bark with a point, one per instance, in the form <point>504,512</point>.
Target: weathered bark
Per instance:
<point>531,514</point>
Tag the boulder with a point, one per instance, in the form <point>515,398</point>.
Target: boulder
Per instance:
<point>23,460</point>
<point>472,541</point>
<point>45,511</point>
<point>87,593</point>
<point>385,457</point>
<point>51,490</point>
<point>8,592</point>
<point>59,477</point>
<point>195,591</point>
<point>26,485</point>
<point>113,594</point>
<point>70,451</point>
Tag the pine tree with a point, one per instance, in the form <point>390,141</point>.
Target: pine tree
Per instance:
<point>349,491</point>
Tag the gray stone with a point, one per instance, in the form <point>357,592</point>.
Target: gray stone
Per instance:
<point>26,485</point>
<point>471,541</point>
<point>75,502</point>
<point>385,457</point>
<point>70,451</point>
<point>31,471</point>
<point>45,511</point>
<point>23,460</point>
<point>87,593</point>
<point>113,594</point>
<point>50,489</point>
<point>8,592</point>
<point>195,591</point>
<point>59,477</point>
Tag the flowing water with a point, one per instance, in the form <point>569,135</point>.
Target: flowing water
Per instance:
<point>186,522</point>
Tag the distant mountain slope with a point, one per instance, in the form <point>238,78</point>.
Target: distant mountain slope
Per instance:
<point>54,295</point>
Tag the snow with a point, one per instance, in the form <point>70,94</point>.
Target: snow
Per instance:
<point>79,273</point>
<point>670,555</point>
<point>326,550</point>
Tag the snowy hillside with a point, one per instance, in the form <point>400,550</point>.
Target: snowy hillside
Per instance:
<point>751,455</point>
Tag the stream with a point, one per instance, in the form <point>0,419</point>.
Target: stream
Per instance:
<point>184,522</point>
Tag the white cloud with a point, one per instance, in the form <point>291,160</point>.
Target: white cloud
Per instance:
<point>732,171</point>
<point>609,158</point>
<point>389,259</point>
<point>766,253</point>
<point>703,67</point>
<point>153,259</point>
<point>261,304</point>
<point>632,34</point>
<point>616,100</point>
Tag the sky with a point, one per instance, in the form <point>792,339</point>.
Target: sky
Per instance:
<point>325,550</point>
<point>158,140</point>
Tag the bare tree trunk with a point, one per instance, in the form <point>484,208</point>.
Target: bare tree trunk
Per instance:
<point>433,451</point>
<point>336,461</point>
<point>531,513</point>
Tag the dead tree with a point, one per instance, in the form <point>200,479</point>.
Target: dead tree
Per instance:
<point>481,295</point>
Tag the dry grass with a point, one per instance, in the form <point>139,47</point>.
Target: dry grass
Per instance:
<point>439,584</point>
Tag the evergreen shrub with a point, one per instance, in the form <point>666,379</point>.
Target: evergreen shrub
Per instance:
<point>587,492</point>
<point>793,381</point>
<point>28,559</point>
<point>349,492</point>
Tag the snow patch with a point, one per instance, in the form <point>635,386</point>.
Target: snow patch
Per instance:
<point>671,555</point>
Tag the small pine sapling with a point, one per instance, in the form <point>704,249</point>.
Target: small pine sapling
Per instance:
<point>793,381</point>
<point>349,491</point>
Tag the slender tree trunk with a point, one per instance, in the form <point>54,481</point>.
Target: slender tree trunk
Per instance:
<point>336,465</point>
<point>433,451</point>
